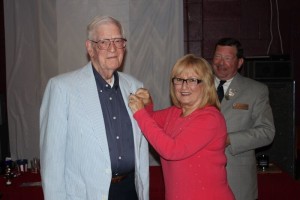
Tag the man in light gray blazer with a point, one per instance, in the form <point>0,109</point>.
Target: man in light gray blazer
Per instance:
<point>248,116</point>
<point>91,147</point>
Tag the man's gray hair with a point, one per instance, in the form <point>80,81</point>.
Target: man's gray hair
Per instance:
<point>99,20</point>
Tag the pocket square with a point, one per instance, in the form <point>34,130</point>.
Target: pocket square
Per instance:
<point>241,106</point>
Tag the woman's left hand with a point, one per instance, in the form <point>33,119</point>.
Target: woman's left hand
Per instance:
<point>135,103</point>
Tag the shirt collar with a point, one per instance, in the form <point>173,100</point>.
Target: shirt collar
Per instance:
<point>103,83</point>
<point>227,83</point>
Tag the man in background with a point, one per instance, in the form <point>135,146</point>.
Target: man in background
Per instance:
<point>248,114</point>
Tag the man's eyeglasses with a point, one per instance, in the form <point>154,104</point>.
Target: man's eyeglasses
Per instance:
<point>225,58</point>
<point>104,44</point>
<point>189,81</point>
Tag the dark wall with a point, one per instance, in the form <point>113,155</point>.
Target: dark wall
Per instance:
<point>249,21</point>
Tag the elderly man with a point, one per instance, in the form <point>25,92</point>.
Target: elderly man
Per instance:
<point>91,148</point>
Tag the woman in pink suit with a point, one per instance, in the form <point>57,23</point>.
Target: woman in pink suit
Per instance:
<point>189,136</point>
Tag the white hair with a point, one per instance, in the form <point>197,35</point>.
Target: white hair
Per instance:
<point>99,20</point>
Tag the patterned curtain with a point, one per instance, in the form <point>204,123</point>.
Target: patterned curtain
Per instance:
<point>47,38</point>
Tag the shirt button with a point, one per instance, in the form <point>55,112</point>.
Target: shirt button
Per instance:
<point>106,85</point>
<point>120,157</point>
<point>110,98</point>
<point>100,90</point>
<point>118,137</point>
<point>114,117</point>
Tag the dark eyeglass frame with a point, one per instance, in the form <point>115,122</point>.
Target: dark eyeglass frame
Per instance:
<point>105,43</point>
<point>189,81</point>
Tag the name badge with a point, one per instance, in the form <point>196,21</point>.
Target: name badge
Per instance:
<point>240,106</point>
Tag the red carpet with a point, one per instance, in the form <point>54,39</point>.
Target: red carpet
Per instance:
<point>272,186</point>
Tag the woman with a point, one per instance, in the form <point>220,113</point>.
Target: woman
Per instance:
<point>189,136</point>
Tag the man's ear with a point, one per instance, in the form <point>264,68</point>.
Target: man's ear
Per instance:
<point>89,48</point>
<point>241,61</point>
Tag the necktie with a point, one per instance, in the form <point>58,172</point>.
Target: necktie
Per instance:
<point>220,90</point>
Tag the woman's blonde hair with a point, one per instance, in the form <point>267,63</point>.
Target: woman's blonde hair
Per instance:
<point>203,69</point>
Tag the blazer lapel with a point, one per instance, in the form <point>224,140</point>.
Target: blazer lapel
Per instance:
<point>231,95</point>
<point>89,97</point>
<point>128,87</point>
<point>233,90</point>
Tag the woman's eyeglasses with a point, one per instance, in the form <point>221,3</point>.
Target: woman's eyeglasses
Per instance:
<point>189,81</point>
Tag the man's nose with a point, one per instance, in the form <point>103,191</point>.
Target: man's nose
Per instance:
<point>112,47</point>
<point>221,61</point>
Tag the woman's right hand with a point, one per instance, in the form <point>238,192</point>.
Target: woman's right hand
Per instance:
<point>135,103</point>
<point>144,95</point>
